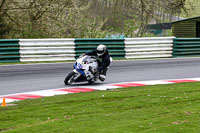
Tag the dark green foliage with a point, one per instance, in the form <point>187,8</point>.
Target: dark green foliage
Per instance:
<point>4,28</point>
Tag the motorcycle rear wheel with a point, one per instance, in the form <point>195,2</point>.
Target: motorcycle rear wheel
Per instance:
<point>69,79</point>
<point>91,81</point>
<point>96,77</point>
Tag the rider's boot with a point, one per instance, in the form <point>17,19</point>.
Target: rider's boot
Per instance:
<point>102,75</point>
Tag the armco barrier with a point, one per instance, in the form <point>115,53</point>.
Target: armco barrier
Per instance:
<point>186,47</point>
<point>115,47</point>
<point>34,50</point>
<point>46,50</point>
<point>151,47</point>
<point>9,50</point>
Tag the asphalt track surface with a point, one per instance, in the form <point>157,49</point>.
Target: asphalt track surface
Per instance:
<point>35,77</point>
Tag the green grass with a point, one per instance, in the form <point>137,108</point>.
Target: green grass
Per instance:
<point>149,109</point>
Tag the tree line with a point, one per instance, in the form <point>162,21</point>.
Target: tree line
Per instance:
<point>84,18</point>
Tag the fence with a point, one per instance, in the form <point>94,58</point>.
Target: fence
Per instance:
<point>9,51</point>
<point>46,50</point>
<point>186,47</point>
<point>34,50</point>
<point>115,47</point>
<point>154,47</point>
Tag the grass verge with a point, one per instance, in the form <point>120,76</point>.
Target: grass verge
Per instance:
<point>161,108</point>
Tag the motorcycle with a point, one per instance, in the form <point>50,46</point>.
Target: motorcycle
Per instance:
<point>85,69</point>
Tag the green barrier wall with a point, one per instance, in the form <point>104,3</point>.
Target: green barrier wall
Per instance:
<point>9,50</point>
<point>116,47</point>
<point>186,47</point>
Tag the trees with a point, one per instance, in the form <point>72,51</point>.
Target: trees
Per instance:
<point>130,17</point>
<point>83,18</point>
<point>4,27</point>
<point>51,18</point>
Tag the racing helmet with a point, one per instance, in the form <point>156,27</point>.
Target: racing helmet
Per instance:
<point>101,50</point>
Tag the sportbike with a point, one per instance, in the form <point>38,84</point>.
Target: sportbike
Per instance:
<point>85,69</point>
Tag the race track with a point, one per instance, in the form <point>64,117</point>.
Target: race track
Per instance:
<point>35,77</point>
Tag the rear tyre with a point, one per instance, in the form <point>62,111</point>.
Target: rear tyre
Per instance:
<point>91,81</point>
<point>70,78</point>
<point>96,77</point>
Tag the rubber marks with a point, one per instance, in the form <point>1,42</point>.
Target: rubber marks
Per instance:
<point>78,89</point>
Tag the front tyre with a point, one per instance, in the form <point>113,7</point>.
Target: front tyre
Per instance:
<point>70,78</point>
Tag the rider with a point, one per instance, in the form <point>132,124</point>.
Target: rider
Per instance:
<point>104,60</point>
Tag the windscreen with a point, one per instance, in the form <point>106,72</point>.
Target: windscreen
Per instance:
<point>88,60</point>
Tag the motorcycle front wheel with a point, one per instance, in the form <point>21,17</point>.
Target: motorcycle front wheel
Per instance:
<point>70,78</point>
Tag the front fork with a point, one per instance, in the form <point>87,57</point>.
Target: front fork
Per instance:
<point>78,74</point>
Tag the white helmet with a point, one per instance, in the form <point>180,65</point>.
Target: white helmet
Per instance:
<point>101,50</point>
